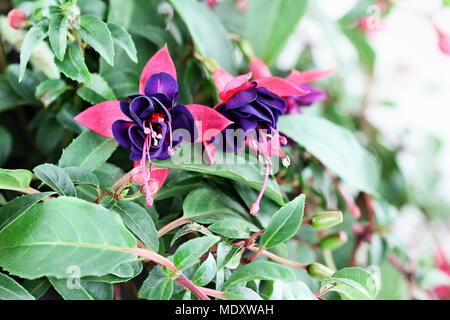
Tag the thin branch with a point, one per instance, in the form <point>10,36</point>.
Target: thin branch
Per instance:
<point>276,258</point>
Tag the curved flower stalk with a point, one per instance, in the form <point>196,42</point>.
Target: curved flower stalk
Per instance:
<point>150,124</point>
<point>302,80</point>
<point>254,108</point>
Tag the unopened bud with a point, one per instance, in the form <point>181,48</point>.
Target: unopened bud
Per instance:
<point>138,175</point>
<point>319,271</point>
<point>333,241</point>
<point>326,220</point>
<point>283,140</point>
<point>254,209</point>
<point>17,19</point>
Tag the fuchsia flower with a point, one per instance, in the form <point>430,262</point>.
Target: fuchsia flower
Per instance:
<point>442,264</point>
<point>151,123</point>
<point>444,41</point>
<point>299,79</point>
<point>17,19</point>
<point>254,108</point>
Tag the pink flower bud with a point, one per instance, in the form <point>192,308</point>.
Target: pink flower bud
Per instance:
<point>17,19</point>
<point>444,41</point>
<point>211,3</point>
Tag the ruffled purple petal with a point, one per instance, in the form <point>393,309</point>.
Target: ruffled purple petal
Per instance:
<point>183,119</point>
<point>120,132</point>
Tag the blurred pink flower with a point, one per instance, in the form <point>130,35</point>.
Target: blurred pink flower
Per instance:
<point>444,41</point>
<point>17,19</point>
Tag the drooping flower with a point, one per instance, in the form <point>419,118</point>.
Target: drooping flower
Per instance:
<point>151,123</point>
<point>254,107</point>
<point>302,80</point>
<point>17,19</point>
<point>443,264</point>
<point>444,41</point>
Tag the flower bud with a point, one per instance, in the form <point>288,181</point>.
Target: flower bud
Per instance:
<point>319,271</point>
<point>17,19</point>
<point>333,241</point>
<point>327,219</point>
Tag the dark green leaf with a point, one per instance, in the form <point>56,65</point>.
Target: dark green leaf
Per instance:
<point>231,228</point>
<point>89,151</point>
<point>11,211</point>
<point>206,272</point>
<point>69,228</point>
<point>11,290</point>
<point>56,178</point>
<point>189,252</point>
<point>96,33</point>
<point>6,142</point>
<point>163,289</point>
<point>34,36</point>
<point>82,176</point>
<point>86,290</point>
<point>97,91</point>
<point>14,179</point>
<point>49,90</point>
<point>263,270</point>
<point>284,223</point>
<point>123,39</point>
<point>73,65</point>
<point>139,222</point>
<point>57,34</point>
<point>37,287</point>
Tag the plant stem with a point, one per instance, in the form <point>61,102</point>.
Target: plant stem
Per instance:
<point>276,258</point>
<point>181,279</point>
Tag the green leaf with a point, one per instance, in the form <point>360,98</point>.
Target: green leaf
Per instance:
<point>263,270</point>
<point>295,290</point>
<point>57,33</point>
<point>89,151</point>
<point>14,209</point>
<point>49,90</point>
<point>242,293</point>
<point>37,287</point>
<point>235,167</point>
<point>15,180</point>
<point>73,65</point>
<point>11,290</point>
<point>208,33</point>
<point>163,289</point>
<point>86,290</point>
<point>284,223</point>
<point>139,222</point>
<point>270,23</point>
<point>226,254</point>
<point>206,201</point>
<point>8,97</point>
<point>446,3</point>
<point>189,252</point>
<point>49,127</point>
<point>26,88</point>
<point>97,91</point>
<point>82,176</point>
<point>96,33</point>
<point>94,7</point>
<point>149,285</point>
<point>56,178</point>
<point>336,147</point>
<point>189,228</point>
<point>6,142</point>
<point>231,228</point>
<point>360,283</point>
<point>34,36</point>
<point>206,272</point>
<point>69,228</point>
<point>122,273</point>
<point>123,39</point>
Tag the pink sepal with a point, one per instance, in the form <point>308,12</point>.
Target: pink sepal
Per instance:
<point>209,122</point>
<point>210,150</point>
<point>160,62</point>
<point>99,118</point>
<point>259,69</point>
<point>299,78</point>
<point>281,87</point>
<point>444,41</point>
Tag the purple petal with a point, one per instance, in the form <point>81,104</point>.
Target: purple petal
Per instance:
<point>120,132</point>
<point>162,83</point>
<point>240,98</point>
<point>183,119</point>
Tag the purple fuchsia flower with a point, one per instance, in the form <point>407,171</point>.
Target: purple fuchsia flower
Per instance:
<point>300,79</point>
<point>254,107</point>
<point>146,122</point>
